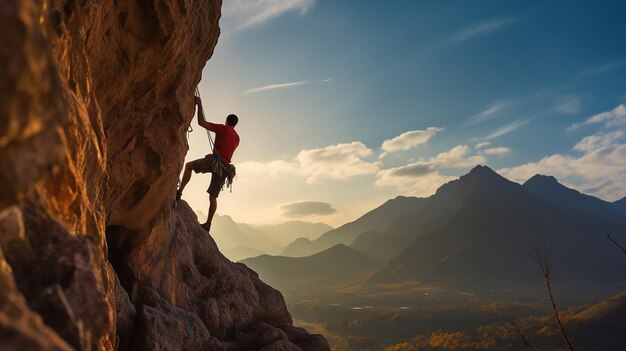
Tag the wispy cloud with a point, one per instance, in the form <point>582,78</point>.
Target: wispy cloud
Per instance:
<point>479,29</point>
<point>497,150</point>
<point>243,14</point>
<point>601,69</point>
<point>489,112</point>
<point>306,208</point>
<point>506,129</point>
<point>481,145</point>
<point>599,141</point>
<point>569,104</point>
<point>615,117</point>
<point>408,140</point>
<point>288,85</point>
<point>278,86</point>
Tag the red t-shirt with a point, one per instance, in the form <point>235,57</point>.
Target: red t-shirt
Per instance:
<point>226,140</point>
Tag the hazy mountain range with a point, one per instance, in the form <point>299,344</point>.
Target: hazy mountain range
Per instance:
<point>240,240</point>
<point>335,265</point>
<point>479,230</point>
<point>376,220</point>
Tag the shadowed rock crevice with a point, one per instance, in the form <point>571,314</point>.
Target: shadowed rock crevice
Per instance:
<point>119,242</point>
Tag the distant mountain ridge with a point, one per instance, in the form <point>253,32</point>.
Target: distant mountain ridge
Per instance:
<point>285,233</point>
<point>480,230</point>
<point>376,219</point>
<point>482,227</point>
<point>240,240</point>
<point>337,264</point>
<point>575,203</point>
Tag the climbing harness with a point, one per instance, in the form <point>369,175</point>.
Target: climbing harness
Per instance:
<point>218,166</point>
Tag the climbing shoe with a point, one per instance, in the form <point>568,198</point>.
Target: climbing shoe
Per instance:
<point>206,226</point>
<point>179,194</point>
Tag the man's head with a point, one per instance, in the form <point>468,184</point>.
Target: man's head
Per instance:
<point>232,120</point>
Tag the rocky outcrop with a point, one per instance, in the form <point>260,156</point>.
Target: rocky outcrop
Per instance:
<point>96,97</point>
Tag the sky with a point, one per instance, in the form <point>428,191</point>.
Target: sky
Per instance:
<point>344,104</point>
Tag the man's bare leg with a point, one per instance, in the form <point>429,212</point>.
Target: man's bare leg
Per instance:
<point>185,180</point>
<point>212,208</point>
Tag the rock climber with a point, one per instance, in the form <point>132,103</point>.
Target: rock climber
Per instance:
<point>217,163</point>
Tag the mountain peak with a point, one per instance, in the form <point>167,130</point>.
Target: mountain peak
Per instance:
<point>482,174</point>
<point>540,179</point>
<point>480,180</point>
<point>571,201</point>
<point>543,186</point>
<point>482,171</point>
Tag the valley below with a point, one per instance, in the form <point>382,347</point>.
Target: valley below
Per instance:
<point>416,317</point>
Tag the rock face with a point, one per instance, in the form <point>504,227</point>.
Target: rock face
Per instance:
<point>96,97</point>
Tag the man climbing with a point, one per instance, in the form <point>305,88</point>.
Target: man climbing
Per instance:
<point>217,163</point>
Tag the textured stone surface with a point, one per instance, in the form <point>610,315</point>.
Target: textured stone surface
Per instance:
<point>96,98</point>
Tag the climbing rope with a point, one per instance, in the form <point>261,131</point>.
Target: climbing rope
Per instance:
<point>189,131</point>
<point>218,166</point>
<point>182,287</point>
<point>208,133</point>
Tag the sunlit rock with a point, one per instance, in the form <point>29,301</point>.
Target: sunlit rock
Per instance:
<point>96,98</point>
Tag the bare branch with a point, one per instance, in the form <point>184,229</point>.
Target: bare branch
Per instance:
<point>527,345</point>
<point>608,235</point>
<point>575,333</point>
<point>545,265</point>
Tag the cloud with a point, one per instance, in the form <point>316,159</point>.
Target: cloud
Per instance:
<point>567,104</point>
<point>278,86</point>
<point>614,118</point>
<point>599,141</point>
<point>306,208</point>
<point>408,140</point>
<point>243,14</point>
<point>422,177</point>
<point>481,145</point>
<point>506,129</point>
<point>603,68</point>
<point>478,29</point>
<point>488,113</point>
<point>598,166</point>
<point>284,86</point>
<point>497,151</point>
<point>457,158</point>
<point>409,179</point>
<point>339,162</point>
<point>416,169</point>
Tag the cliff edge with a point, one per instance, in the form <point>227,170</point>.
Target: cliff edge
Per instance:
<point>94,254</point>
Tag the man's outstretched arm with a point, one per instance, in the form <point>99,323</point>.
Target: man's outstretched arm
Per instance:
<point>201,120</point>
